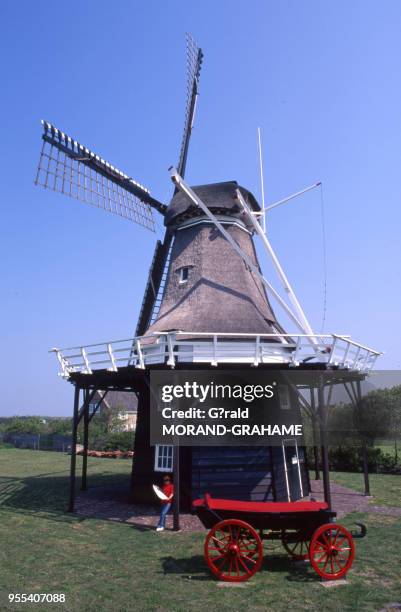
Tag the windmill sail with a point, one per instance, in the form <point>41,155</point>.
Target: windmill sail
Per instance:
<point>159,266</point>
<point>68,167</point>
<point>194,64</point>
<point>154,288</point>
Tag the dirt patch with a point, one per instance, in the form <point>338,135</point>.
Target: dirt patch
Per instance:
<point>113,503</point>
<point>343,499</point>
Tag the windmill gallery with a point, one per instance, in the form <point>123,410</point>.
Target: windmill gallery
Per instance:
<point>206,307</point>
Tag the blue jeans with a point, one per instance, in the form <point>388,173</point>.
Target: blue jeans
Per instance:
<point>163,514</point>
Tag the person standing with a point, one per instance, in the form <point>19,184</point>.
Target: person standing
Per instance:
<point>168,490</point>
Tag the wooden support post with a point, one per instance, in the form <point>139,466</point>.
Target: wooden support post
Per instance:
<point>316,456</point>
<point>364,449</point>
<point>86,438</point>
<point>176,477</point>
<point>314,433</point>
<point>323,442</point>
<point>144,454</point>
<point>71,502</point>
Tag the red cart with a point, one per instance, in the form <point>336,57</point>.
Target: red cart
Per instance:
<point>234,549</point>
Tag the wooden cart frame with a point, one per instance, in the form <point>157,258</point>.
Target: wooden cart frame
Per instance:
<point>234,545</point>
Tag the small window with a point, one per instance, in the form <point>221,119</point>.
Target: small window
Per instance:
<point>163,458</point>
<point>92,408</point>
<point>184,272</point>
<point>284,397</point>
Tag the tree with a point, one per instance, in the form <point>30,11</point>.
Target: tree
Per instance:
<point>394,404</point>
<point>29,425</point>
<point>372,416</point>
<point>61,427</point>
<point>112,419</point>
<point>123,441</point>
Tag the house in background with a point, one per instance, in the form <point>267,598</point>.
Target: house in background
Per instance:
<point>119,408</point>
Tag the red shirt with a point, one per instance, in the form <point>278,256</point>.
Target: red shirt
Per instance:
<point>168,490</point>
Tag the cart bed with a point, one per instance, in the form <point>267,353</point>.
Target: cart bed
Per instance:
<point>262,515</point>
<point>259,507</point>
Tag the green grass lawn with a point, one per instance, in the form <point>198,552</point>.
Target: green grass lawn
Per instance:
<point>32,481</point>
<point>385,488</point>
<point>105,566</point>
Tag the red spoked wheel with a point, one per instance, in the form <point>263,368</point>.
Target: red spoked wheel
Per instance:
<point>295,544</point>
<point>233,550</point>
<point>331,551</point>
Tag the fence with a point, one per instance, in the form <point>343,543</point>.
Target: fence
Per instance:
<point>53,442</point>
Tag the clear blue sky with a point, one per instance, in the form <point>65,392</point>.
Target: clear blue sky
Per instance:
<point>322,79</point>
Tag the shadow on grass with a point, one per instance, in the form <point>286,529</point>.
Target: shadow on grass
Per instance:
<point>190,568</point>
<point>141,527</point>
<point>48,493</point>
<point>195,568</point>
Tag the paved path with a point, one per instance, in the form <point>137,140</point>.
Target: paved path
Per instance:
<point>113,504</point>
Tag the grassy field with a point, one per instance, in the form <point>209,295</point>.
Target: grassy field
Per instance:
<point>388,447</point>
<point>385,488</point>
<point>105,566</point>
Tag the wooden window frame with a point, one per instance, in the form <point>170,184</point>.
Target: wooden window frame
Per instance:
<point>159,454</point>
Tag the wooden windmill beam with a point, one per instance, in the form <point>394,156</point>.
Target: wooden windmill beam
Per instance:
<point>86,443</point>
<point>323,443</point>
<point>77,416</point>
<point>98,404</point>
<point>71,500</point>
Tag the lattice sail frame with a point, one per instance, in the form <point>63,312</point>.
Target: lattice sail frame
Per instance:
<point>194,64</point>
<point>68,167</point>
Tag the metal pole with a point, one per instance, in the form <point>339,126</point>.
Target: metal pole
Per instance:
<point>176,478</point>
<point>278,267</point>
<point>323,442</point>
<point>262,186</point>
<point>73,450</point>
<point>86,438</point>
<point>294,195</point>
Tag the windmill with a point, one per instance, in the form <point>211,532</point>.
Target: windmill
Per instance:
<point>206,303</point>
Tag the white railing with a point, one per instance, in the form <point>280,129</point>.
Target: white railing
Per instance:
<point>170,348</point>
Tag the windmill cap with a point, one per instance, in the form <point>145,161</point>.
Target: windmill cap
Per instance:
<point>220,198</point>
